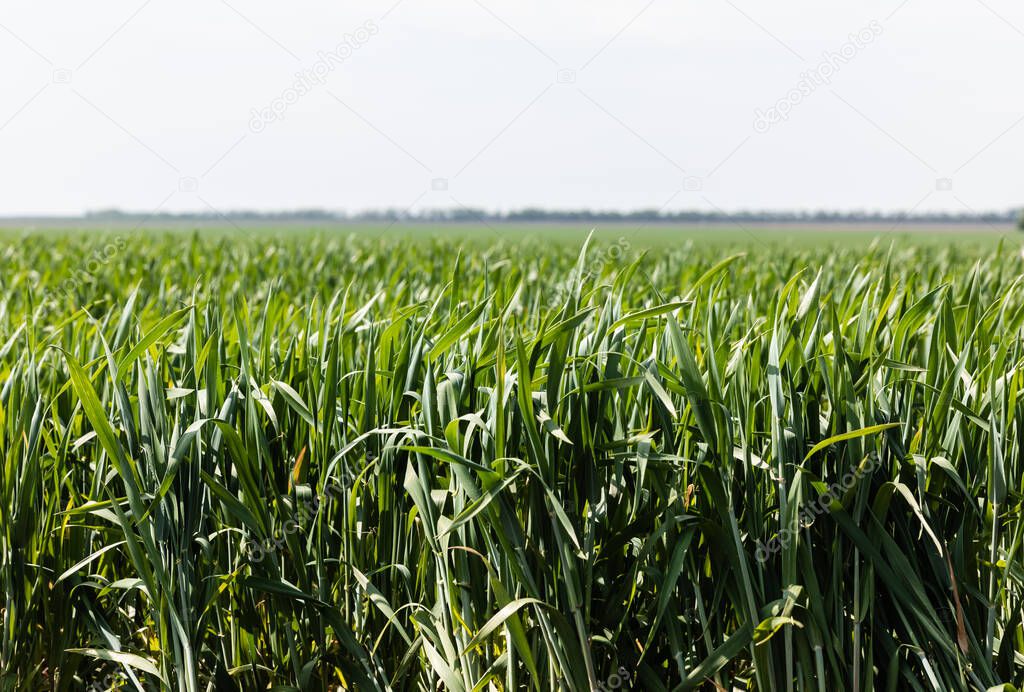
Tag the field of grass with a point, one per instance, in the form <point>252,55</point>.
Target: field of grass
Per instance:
<point>311,460</point>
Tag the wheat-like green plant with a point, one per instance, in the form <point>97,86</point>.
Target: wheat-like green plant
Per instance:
<point>318,462</point>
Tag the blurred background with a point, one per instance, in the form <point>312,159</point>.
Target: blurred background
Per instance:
<point>149,105</point>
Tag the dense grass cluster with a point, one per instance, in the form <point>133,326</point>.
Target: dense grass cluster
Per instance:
<point>320,462</point>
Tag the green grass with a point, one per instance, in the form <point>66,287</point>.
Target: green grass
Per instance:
<point>647,235</point>
<point>307,460</point>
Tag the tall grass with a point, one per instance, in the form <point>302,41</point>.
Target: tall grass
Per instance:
<point>312,463</point>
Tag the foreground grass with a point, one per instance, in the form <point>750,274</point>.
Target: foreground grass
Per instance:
<point>242,463</point>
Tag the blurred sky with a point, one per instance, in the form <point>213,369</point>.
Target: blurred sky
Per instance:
<point>148,105</point>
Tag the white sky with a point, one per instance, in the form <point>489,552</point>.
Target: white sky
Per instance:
<point>158,107</point>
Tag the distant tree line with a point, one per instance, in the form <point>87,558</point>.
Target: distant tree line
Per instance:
<point>531,215</point>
